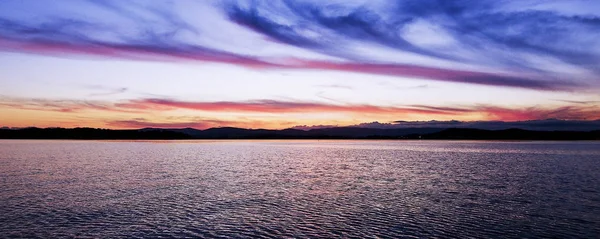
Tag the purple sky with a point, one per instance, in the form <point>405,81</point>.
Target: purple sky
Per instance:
<point>277,64</point>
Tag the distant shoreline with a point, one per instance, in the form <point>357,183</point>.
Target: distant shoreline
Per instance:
<point>338,133</point>
<point>292,140</point>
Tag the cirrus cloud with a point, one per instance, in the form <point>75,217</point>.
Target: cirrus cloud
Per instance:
<point>153,105</point>
<point>481,42</point>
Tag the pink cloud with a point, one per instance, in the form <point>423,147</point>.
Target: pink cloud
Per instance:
<point>145,106</point>
<point>201,54</point>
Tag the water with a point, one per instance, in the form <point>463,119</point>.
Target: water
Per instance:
<point>237,189</point>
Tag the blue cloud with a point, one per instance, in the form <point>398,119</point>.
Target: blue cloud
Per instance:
<point>482,34</point>
<point>476,24</point>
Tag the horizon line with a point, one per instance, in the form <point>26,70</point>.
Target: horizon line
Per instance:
<point>401,125</point>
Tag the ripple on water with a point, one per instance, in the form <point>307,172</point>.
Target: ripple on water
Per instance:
<point>274,189</point>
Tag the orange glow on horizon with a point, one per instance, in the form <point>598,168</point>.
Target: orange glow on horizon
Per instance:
<point>98,118</point>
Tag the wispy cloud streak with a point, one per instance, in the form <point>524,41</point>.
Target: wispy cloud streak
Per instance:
<point>273,106</point>
<point>482,35</point>
<point>144,106</point>
<point>490,30</point>
<point>106,91</point>
<point>64,106</point>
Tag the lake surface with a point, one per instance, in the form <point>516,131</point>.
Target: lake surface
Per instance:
<point>274,189</point>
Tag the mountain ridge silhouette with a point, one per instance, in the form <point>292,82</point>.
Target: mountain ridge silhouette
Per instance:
<point>321,133</point>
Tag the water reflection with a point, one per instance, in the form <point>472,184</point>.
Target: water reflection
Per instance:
<point>299,189</point>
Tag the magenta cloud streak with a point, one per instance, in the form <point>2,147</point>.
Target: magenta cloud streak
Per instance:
<point>142,52</point>
<point>160,31</point>
<point>141,106</point>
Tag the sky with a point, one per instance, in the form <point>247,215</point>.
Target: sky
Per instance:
<point>277,64</point>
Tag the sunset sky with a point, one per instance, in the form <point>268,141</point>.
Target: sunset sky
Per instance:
<point>283,63</point>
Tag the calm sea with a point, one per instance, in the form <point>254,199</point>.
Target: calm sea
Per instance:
<point>274,189</point>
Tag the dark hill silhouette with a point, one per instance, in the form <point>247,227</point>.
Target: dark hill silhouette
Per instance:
<point>327,133</point>
<point>510,134</point>
<point>88,133</point>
